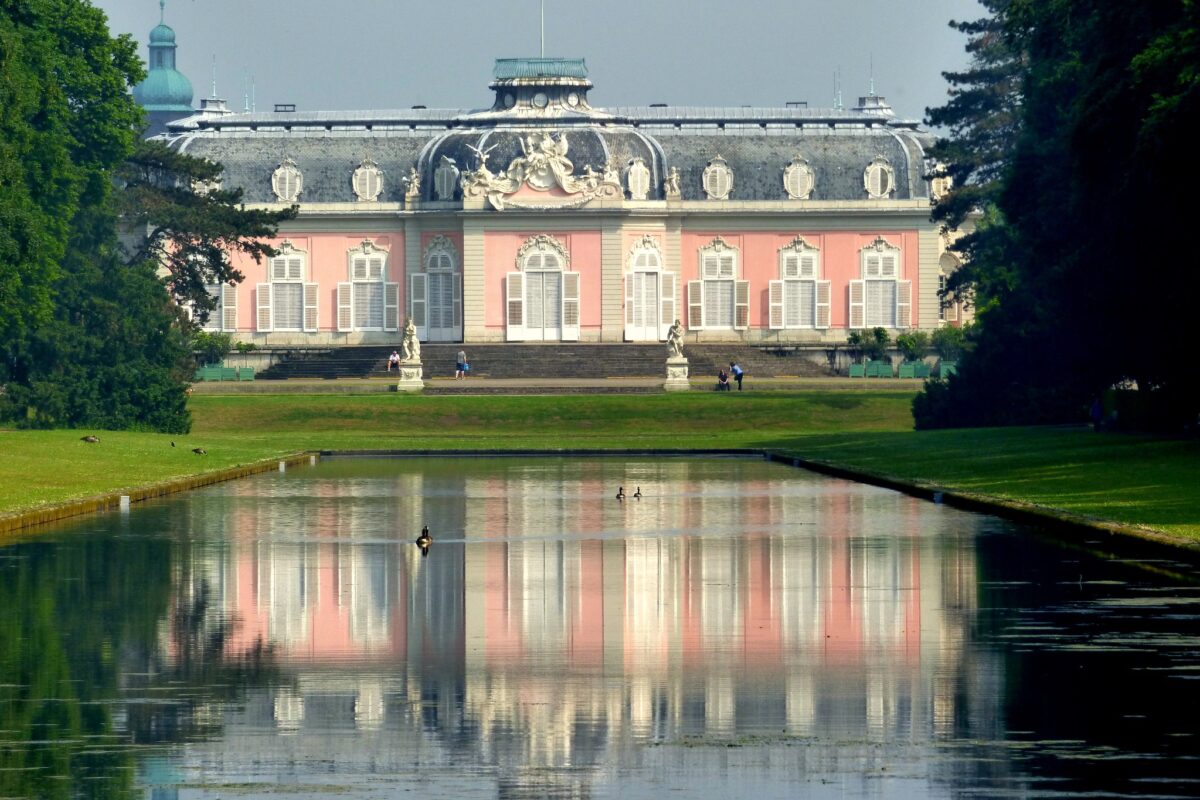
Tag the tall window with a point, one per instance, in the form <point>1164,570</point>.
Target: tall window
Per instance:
<point>542,298</point>
<point>287,302</point>
<point>880,299</point>
<point>435,295</point>
<point>649,293</point>
<point>718,300</point>
<point>798,299</point>
<point>368,302</point>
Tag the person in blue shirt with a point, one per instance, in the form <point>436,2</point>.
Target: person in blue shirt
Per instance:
<point>736,369</point>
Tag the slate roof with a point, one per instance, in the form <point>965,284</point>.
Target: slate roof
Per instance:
<point>757,143</point>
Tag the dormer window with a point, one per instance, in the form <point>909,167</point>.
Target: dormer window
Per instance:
<point>446,178</point>
<point>718,179</point>
<point>287,182</point>
<point>798,179</point>
<point>879,179</point>
<point>638,179</point>
<point>367,181</point>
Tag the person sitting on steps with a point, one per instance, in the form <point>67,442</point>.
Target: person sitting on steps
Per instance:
<point>722,380</point>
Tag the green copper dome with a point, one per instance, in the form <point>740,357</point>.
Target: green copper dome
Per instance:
<point>165,88</point>
<point>162,34</point>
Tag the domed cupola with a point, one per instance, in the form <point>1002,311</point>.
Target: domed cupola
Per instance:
<point>540,86</point>
<point>165,88</point>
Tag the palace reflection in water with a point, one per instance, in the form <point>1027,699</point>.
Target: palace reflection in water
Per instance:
<point>744,630</point>
<point>552,625</point>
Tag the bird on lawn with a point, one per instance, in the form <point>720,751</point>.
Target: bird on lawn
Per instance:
<point>89,439</point>
<point>172,444</point>
<point>199,451</point>
<point>424,540</point>
<point>620,492</point>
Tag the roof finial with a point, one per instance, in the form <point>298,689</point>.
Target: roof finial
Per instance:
<point>543,27</point>
<point>214,77</point>
<point>872,89</point>
<point>837,88</point>
<point>162,12</point>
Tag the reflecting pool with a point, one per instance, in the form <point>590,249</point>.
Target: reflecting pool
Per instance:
<point>742,629</point>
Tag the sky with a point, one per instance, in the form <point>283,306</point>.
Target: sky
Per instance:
<point>388,54</point>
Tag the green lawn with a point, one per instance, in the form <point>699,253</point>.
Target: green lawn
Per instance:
<point>1130,479</point>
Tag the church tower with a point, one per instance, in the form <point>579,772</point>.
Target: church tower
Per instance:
<point>166,93</point>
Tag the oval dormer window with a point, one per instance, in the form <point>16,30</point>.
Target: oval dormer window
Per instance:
<point>367,181</point>
<point>287,181</point>
<point>638,178</point>
<point>798,179</point>
<point>718,179</point>
<point>879,179</point>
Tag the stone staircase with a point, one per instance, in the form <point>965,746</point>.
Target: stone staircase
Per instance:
<point>556,360</point>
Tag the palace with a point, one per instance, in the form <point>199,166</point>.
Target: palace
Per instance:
<point>544,219</point>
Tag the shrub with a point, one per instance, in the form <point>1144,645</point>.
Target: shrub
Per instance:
<point>210,348</point>
<point>914,345</point>
<point>950,342</point>
<point>246,347</point>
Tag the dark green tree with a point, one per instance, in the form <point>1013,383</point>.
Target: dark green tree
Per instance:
<point>193,224</point>
<point>1079,288</point>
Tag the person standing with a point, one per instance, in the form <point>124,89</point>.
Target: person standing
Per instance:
<point>460,365</point>
<point>736,369</point>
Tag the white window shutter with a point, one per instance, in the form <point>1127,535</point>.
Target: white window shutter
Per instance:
<point>791,266</point>
<point>311,300</point>
<point>262,294</point>
<point>775,302</point>
<point>418,303</point>
<point>570,307</point>
<point>667,296</point>
<point>345,306</point>
<point>903,304</point>
<point>808,266</point>
<point>727,266</point>
<point>695,305</point>
<point>741,305</point>
<point>824,310</point>
<point>458,301</point>
<point>871,268</point>
<point>375,268</point>
<point>391,306</point>
<point>295,269</point>
<point>858,293</point>
<point>887,266</point>
<point>228,307</point>
<point>951,312</point>
<point>629,305</point>
<point>514,299</point>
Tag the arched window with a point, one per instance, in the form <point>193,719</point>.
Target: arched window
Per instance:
<point>368,301</point>
<point>799,299</point>
<point>287,302</point>
<point>435,295</point>
<point>542,297</point>
<point>718,300</point>
<point>638,179</point>
<point>949,309</point>
<point>649,293</point>
<point>880,299</point>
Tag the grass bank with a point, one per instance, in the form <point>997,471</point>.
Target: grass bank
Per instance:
<point>1132,480</point>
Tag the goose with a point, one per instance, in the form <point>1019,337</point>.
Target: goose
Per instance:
<point>638,494</point>
<point>200,451</point>
<point>89,439</point>
<point>424,540</point>
<point>620,492</point>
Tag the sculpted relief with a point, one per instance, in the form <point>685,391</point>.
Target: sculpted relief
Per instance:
<point>542,166</point>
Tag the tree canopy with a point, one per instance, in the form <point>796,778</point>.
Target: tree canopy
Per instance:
<point>90,333</point>
<point>1068,136</point>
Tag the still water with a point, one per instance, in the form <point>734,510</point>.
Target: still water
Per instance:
<point>743,630</point>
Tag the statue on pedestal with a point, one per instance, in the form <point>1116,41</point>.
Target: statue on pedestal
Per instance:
<point>675,341</point>
<point>411,344</point>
